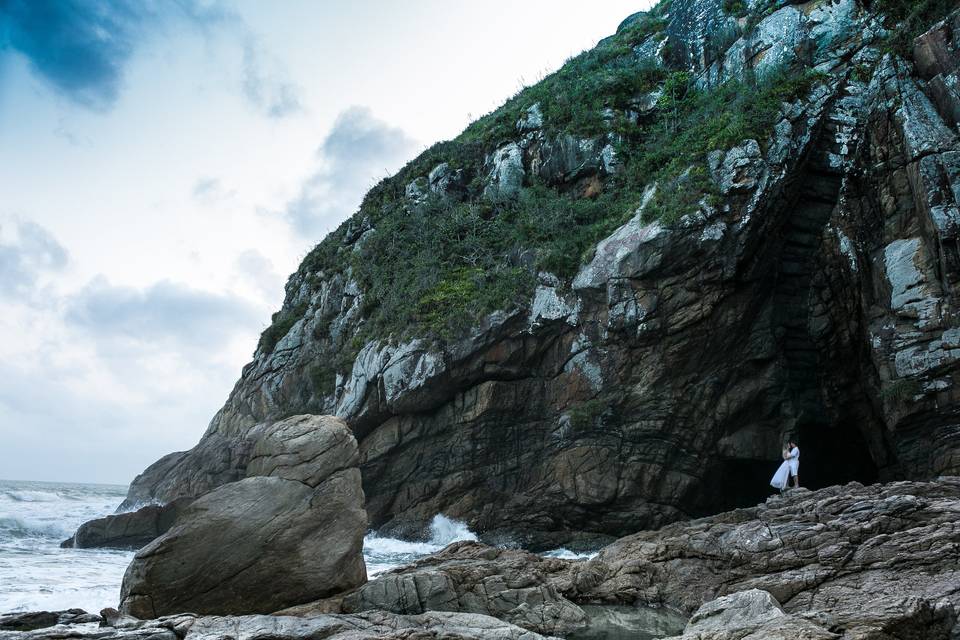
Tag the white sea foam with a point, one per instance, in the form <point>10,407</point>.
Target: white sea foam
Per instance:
<point>382,553</point>
<point>566,554</point>
<point>35,573</point>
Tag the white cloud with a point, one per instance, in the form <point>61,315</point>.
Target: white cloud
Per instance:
<point>268,92</point>
<point>99,380</point>
<point>359,150</point>
<point>26,254</point>
<point>257,271</point>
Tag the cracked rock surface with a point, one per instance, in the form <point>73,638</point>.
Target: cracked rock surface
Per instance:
<point>881,561</point>
<point>374,625</point>
<point>469,577</point>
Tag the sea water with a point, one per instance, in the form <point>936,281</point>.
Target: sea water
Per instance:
<point>36,574</point>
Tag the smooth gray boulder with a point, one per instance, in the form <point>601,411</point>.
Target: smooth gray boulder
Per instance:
<point>290,533</point>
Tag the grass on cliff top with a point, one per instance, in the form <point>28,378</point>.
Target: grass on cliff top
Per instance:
<point>438,267</point>
<point>434,269</point>
<point>573,98</point>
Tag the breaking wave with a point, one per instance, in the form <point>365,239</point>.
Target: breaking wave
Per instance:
<point>382,553</point>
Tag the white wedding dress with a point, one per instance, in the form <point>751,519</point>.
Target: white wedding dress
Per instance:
<point>782,477</point>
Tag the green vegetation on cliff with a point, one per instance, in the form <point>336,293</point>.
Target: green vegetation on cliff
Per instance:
<point>434,266</point>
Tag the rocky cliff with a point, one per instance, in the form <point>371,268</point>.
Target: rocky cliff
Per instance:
<point>604,306</point>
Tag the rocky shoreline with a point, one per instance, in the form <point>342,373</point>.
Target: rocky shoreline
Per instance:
<point>846,562</point>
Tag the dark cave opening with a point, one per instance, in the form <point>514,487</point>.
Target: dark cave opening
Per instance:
<point>833,447</point>
<point>830,454</point>
<point>834,454</point>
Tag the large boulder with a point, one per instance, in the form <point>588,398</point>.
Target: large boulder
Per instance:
<point>262,543</point>
<point>303,448</point>
<point>130,530</point>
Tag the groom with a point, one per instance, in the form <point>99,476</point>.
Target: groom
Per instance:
<point>793,458</point>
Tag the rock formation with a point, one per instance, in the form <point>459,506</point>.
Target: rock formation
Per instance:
<point>290,533</point>
<point>810,292</point>
<point>370,626</point>
<point>750,614</point>
<point>510,584</point>
<point>843,562</point>
<point>34,620</point>
<point>130,530</point>
<point>854,560</point>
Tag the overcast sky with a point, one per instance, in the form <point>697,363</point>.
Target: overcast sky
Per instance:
<point>165,165</point>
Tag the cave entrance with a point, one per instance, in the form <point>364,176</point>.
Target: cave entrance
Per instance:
<point>834,454</point>
<point>833,449</point>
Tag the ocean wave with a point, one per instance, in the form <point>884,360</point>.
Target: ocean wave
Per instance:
<point>26,495</point>
<point>566,554</point>
<point>14,527</point>
<point>444,531</point>
<point>383,553</point>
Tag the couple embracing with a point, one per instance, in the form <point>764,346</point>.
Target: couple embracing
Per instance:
<point>789,469</point>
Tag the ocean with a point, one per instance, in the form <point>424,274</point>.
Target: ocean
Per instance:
<point>36,574</point>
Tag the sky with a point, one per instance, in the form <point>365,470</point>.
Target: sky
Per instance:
<point>165,165</point>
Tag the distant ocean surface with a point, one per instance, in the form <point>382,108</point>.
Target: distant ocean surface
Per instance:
<point>36,574</point>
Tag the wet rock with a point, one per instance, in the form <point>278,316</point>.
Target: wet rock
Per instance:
<point>127,530</point>
<point>851,557</point>
<point>33,620</point>
<point>752,613</point>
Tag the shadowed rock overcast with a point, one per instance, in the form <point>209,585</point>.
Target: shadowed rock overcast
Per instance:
<point>164,167</point>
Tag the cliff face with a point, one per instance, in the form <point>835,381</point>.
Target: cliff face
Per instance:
<point>788,268</point>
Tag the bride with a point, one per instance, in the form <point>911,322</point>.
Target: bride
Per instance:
<point>781,479</point>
